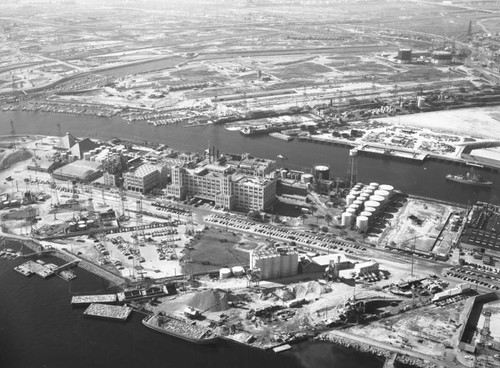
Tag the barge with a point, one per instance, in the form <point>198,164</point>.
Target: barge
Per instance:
<point>181,329</point>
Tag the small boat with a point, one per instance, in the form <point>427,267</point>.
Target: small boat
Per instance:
<point>470,178</point>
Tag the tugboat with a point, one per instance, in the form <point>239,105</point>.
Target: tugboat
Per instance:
<point>470,178</point>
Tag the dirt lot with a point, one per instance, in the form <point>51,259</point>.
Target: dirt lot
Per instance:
<point>427,330</point>
<point>420,232</point>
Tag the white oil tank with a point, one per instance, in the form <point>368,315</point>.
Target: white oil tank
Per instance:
<point>370,210</point>
<point>363,197</point>
<point>382,193</point>
<point>238,271</point>
<point>306,178</point>
<point>346,219</point>
<point>373,204</point>
<point>355,207</point>
<point>373,185</point>
<point>366,213</point>
<point>362,223</point>
<point>349,199</point>
<point>388,188</point>
<point>224,273</point>
<point>351,210</point>
<point>358,201</point>
<point>377,198</point>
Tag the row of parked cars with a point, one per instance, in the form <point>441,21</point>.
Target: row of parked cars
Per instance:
<point>472,276</point>
<point>285,234</point>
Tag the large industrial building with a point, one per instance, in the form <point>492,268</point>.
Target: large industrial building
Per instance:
<point>223,184</point>
<point>482,231</point>
<point>81,170</point>
<point>143,179</point>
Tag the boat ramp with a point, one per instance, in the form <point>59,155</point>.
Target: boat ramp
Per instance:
<point>105,311</point>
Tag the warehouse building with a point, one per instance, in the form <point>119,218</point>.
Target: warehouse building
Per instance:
<point>81,171</point>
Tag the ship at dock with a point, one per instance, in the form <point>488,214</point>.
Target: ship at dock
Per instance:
<point>181,329</point>
<point>261,129</point>
<point>470,178</point>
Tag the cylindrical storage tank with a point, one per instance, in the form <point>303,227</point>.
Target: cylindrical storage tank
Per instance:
<point>355,207</point>
<point>82,227</point>
<point>346,219</point>
<point>362,223</point>
<point>276,266</point>
<point>307,178</point>
<point>355,192</point>
<point>86,156</point>
<point>370,209</point>
<point>322,172</point>
<point>238,271</point>
<point>351,210</point>
<point>383,193</point>
<point>388,188</point>
<point>358,202</point>
<point>90,223</point>
<point>224,273</point>
<point>283,173</point>
<point>349,199</point>
<point>368,191</point>
<point>72,226</point>
<point>365,213</point>
<point>377,198</point>
<point>372,204</point>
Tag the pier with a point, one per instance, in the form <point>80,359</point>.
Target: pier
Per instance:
<point>45,270</point>
<point>90,299</point>
<point>106,311</point>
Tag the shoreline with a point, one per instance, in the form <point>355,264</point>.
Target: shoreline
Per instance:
<point>67,256</point>
<point>352,343</point>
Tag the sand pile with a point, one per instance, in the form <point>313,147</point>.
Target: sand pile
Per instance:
<point>309,290</point>
<point>210,301</point>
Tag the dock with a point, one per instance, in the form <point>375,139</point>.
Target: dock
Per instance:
<point>105,311</point>
<point>90,299</point>
<point>38,269</point>
<point>45,270</point>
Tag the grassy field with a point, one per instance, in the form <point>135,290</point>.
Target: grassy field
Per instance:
<point>216,249</point>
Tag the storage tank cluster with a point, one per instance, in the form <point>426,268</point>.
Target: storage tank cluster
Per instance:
<point>273,264</point>
<point>80,225</point>
<point>364,202</point>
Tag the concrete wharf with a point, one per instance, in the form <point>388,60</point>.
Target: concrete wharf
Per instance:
<point>106,311</point>
<point>89,299</point>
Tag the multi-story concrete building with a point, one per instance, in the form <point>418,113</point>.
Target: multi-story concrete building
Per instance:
<point>142,179</point>
<point>222,184</point>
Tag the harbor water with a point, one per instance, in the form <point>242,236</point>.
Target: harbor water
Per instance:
<point>424,179</point>
<point>40,328</point>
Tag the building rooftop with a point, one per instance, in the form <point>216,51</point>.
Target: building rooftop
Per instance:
<point>145,169</point>
<point>79,169</point>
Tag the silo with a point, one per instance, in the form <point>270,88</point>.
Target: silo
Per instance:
<point>224,273</point>
<point>322,172</point>
<point>349,199</point>
<point>362,223</point>
<point>293,263</point>
<point>276,259</point>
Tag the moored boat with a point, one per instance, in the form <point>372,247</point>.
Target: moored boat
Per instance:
<point>470,178</point>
